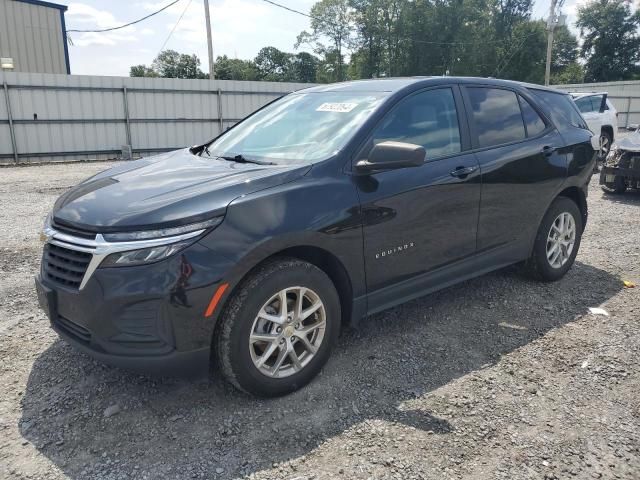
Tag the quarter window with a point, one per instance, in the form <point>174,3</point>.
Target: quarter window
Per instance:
<point>532,121</point>
<point>428,118</point>
<point>561,108</point>
<point>496,114</point>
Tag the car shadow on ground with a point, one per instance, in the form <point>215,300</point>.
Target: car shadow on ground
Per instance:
<point>178,428</point>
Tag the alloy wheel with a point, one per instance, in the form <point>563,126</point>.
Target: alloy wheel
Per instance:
<point>287,332</point>
<point>561,240</point>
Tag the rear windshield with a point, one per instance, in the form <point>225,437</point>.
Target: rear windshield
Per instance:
<point>561,108</point>
<point>299,128</point>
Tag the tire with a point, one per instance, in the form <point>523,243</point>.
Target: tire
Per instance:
<point>606,141</point>
<point>618,186</point>
<point>242,363</point>
<point>539,265</point>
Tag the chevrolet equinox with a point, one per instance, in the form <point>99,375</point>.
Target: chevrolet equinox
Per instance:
<point>324,206</point>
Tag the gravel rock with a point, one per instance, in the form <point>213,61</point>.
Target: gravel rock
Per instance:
<point>111,411</point>
<point>497,378</point>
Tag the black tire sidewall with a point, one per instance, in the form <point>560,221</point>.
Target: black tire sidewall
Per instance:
<point>271,281</point>
<point>544,269</point>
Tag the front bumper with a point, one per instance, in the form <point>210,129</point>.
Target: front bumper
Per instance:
<point>618,172</point>
<point>147,318</point>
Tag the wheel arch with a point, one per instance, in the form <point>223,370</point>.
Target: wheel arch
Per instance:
<point>608,129</point>
<point>578,196</point>
<point>326,261</point>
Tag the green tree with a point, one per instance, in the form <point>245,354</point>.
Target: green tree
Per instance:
<point>171,64</point>
<point>572,73</point>
<point>273,65</point>
<point>368,42</point>
<point>304,67</point>
<point>235,69</point>
<point>141,71</point>
<point>565,49</point>
<point>611,45</point>
<point>329,19</point>
<point>328,70</point>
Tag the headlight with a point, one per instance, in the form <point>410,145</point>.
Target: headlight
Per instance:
<point>145,255</point>
<point>148,246</point>
<point>163,232</point>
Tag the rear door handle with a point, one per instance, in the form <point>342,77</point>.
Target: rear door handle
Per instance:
<point>548,150</point>
<point>462,172</point>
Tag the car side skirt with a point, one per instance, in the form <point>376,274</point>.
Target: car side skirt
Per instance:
<point>447,275</point>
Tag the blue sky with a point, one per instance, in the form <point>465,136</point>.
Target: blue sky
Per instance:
<point>240,29</point>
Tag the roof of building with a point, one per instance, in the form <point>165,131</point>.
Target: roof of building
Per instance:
<point>45,4</point>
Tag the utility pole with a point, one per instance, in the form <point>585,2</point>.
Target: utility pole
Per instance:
<point>551,24</point>
<point>209,40</point>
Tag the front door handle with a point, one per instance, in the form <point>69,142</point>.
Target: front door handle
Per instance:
<point>462,172</point>
<point>548,150</point>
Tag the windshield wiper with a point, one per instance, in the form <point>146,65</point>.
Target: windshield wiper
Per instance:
<point>241,159</point>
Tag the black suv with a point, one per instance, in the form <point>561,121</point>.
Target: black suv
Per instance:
<point>325,206</point>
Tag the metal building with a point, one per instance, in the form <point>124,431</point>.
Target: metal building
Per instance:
<point>32,37</point>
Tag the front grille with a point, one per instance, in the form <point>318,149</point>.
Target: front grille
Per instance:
<point>73,329</point>
<point>64,266</point>
<point>74,232</point>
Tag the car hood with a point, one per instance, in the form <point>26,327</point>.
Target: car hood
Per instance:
<point>171,189</point>
<point>630,143</point>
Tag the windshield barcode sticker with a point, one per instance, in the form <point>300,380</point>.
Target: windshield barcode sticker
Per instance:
<point>336,107</point>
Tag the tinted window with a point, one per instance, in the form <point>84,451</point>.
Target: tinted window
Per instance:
<point>497,116</point>
<point>597,101</point>
<point>428,119</point>
<point>561,108</point>
<point>585,104</point>
<point>532,121</point>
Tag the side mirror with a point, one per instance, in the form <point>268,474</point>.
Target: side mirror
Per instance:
<point>392,155</point>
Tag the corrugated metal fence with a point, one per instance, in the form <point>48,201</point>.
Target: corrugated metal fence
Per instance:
<point>46,117</point>
<point>625,96</point>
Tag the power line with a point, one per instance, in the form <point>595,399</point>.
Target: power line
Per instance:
<point>288,8</point>
<point>127,24</point>
<point>175,26</point>
<point>414,40</point>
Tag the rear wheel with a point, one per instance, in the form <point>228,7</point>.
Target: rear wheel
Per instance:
<point>278,329</point>
<point>557,241</point>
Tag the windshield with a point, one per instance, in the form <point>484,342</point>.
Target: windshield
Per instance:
<point>299,128</point>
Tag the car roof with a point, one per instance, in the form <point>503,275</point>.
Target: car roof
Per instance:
<point>395,84</point>
<point>585,94</point>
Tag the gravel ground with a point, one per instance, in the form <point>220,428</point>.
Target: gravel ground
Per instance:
<point>499,377</point>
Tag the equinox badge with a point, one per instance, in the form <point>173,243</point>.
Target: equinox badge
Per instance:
<point>391,251</point>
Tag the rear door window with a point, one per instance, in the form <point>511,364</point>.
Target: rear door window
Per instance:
<point>496,115</point>
<point>585,104</point>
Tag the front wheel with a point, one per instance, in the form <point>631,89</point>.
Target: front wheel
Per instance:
<point>605,146</point>
<point>557,241</point>
<point>278,328</point>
